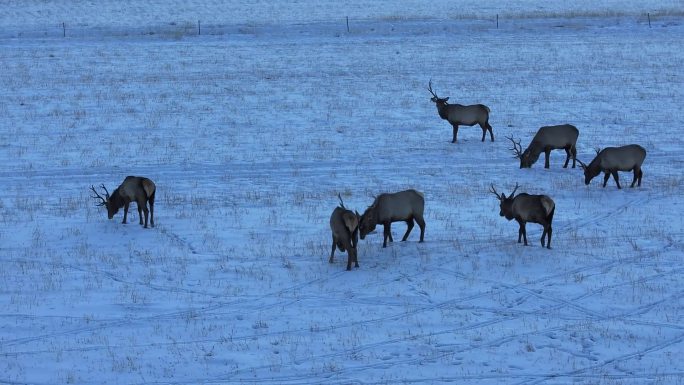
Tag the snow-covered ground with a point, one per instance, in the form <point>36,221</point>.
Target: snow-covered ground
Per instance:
<point>252,129</point>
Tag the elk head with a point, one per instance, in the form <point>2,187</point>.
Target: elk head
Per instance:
<point>505,202</point>
<point>435,98</point>
<point>367,222</point>
<point>526,157</point>
<point>104,201</point>
<point>589,172</point>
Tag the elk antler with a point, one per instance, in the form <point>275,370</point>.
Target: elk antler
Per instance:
<point>430,89</point>
<point>493,191</point>
<point>517,148</point>
<point>103,200</point>
<point>341,203</point>
<point>598,150</point>
<point>584,166</point>
<point>515,189</point>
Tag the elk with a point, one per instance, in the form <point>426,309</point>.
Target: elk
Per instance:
<point>457,114</point>
<point>546,139</point>
<point>405,206</point>
<point>344,225</point>
<point>134,188</point>
<point>610,160</point>
<point>527,208</point>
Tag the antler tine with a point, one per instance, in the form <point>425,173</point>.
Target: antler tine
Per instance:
<point>105,189</point>
<point>98,196</point>
<point>517,147</point>
<point>430,89</point>
<point>598,150</point>
<point>515,189</point>
<point>341,203</point>
<point>493,191</point>
<point>584,166</point>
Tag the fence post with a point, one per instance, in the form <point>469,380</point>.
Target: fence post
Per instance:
<point>63,29</point>
<point>497,21</point>
<point>649,19</point>
<point>347,24</point>
<point>199,28</point>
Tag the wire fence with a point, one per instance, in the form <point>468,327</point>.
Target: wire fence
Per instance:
<point>345,25</point>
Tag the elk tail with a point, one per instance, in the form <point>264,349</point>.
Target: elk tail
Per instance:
<point>549,206</point>
<point>151,197</point>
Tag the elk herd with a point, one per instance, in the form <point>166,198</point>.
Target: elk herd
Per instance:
<point>408,206</point>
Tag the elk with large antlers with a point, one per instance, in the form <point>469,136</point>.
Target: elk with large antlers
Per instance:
<point>548,138</point>
<point>457,114</point>
<point>610,160</point>
<point>527,208</point>
<point>134,188</point>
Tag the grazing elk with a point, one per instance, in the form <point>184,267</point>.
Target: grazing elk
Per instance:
<point>134,188</point>
<point>610,160</point>
<point>405,206</point>
<point>457,114</point>
<point>527,208</point>
<point>546,139</point>
<point>344,225</point>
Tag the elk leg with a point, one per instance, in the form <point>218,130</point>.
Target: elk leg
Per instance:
<point>140,213</point>
<point>567,159</point>
<point>350,258</point>
<point>574,155</point>
<point>125,212</point>
<point>641,173</point>
<point>421,224</point>
<point>355,258</point>
<point>605,178</point>
<point>387,234</point>
<point>455,133</point>
<point>491,134</point>
<point>332,252</point>
<point>147,215</point>
<point>523,231</point>
<point>152,211</point>
<point>615,176</point>
<point>547,154</point>
<point>409,227</point>
<point>636,176</point>
<point>484,131</point>
<point>548,232</point>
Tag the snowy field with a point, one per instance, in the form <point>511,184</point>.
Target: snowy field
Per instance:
<point>250,131</point>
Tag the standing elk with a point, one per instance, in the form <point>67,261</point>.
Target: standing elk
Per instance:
<point>344,225</point>
<point>527,208</point>
<point>546,139</point>
<point>134,188</point>
<point>610,160</point>
<point>405,206</point>
<point>457,114</point>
